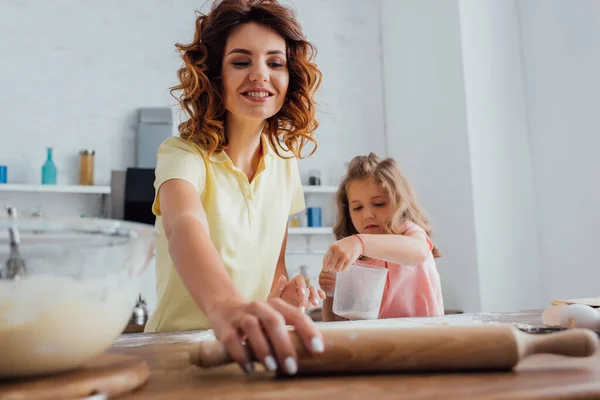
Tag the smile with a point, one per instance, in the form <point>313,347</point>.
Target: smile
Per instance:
<point>260,94</point>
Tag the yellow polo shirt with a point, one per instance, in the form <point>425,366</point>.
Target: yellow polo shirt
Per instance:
<point>247,222</point>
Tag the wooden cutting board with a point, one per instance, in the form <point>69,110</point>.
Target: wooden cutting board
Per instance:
<point>588,301</point>
<point>110,374</point>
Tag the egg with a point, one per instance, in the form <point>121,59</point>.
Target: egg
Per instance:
<point>579,316</point>
<point>551,315</point>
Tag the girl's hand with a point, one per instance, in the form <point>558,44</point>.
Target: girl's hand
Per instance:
<point>296,293</point>
<point>261,326</point>
<point>342,253</point>
<point>327,282</point>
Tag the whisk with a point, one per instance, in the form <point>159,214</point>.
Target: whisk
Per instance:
<point>15,265</point>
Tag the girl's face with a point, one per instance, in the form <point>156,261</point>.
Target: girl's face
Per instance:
<point>370,207</point>
<point>255,72</point>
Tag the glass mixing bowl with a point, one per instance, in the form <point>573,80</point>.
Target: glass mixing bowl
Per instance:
<point>77,294</point>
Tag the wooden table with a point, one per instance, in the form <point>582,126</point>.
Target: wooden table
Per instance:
<point>538,377</point>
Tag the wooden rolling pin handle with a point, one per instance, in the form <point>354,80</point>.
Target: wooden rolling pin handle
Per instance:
<point>210,354</point>
<point>213,353</point>
<point>571,342</point>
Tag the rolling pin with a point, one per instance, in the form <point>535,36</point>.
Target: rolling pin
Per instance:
<point>444,348</point>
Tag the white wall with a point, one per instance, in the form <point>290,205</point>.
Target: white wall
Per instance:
<point>427,131</point>
<point>561,63</point>
<point>73,74</point>
<point>351,102</point>
<point>501,166</point>
<point>502,97</point>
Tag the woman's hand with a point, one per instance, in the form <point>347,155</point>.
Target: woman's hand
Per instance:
<point>327,282</point>
<point>296,293</point>
<point>262,325</point>
<point>342,253</point>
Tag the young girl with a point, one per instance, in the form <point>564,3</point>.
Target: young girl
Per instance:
<point>380,223</point>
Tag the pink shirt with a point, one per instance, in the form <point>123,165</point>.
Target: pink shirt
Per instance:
<point>411,290</point>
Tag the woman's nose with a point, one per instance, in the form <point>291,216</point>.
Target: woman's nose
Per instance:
<point>258,73</point>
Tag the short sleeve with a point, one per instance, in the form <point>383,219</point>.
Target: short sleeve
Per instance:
<point>298,203</point>
<point>175,159</point>
<point>412,227</point>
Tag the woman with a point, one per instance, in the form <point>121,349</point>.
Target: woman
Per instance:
<point>226,187</point>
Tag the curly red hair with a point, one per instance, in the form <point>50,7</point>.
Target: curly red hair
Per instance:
<point>200,77</point>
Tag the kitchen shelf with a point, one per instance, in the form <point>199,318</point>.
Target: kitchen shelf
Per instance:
<point>319,189</point>
<point>310,231</point>
<point>54,188</point>
<point>306,252</point>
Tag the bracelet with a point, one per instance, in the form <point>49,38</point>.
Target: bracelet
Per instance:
<point>363,244</point>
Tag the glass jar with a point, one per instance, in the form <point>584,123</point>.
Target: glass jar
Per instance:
<point>314,178</point>
<point>86,167</point>
<point>295,221</point>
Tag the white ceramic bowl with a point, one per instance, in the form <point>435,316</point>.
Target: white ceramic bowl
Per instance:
<point>80,289</point>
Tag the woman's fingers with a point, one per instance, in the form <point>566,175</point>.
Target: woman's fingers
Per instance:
<point>236,350</point>
<point>302,291</point>
<point>304,326</point>
<point>300,285</point>
<point>314,296</point>
<point>274,326</point>
<point>280,286</point>
<point>252,327</point>
<point>264,326</point>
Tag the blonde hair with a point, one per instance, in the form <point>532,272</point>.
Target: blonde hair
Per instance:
<point>390,178</point>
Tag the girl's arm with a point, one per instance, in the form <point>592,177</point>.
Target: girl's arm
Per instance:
<point>411,249</point>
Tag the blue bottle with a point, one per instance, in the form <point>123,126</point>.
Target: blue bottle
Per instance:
<point>49,170</point>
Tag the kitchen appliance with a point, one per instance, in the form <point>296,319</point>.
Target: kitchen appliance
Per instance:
<point>154,126</point>
<point>140,313</point>
<point>132,194</point>
<point>132,190</point>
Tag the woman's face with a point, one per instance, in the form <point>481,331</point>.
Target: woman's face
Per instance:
<point>255,72</point>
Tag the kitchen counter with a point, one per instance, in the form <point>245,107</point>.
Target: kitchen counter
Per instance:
<point>537,377</point>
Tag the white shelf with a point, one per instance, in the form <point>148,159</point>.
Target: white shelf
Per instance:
<point>54,188</point>
<point>306,252</point>
<point>319,189</point>
<point>310,231</point>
